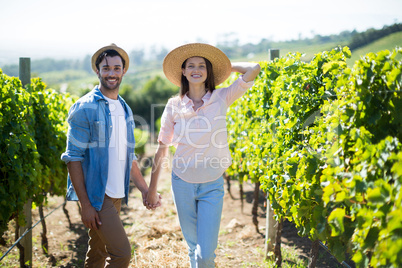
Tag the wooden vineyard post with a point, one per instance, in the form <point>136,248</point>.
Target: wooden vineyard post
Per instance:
<point>25,71</point>
<point>271,223</point>
<point>270,231</point>
<point>26,241</point>
<point>273,54</point>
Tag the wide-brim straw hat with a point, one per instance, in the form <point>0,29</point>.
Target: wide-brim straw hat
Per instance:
<point>173,61</point>
<point>112,46</point>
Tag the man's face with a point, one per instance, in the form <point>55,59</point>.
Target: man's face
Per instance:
<point>111,72</point>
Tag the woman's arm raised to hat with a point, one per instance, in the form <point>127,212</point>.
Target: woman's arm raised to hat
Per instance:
<point>248,69</point>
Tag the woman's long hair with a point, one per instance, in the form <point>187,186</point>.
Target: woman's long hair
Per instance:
<point>209,82</point>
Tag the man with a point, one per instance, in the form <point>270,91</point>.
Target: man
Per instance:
<point>100,160</point>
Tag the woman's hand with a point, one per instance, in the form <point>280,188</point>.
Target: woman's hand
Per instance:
<point>248,69</point>
<point>153,200</point>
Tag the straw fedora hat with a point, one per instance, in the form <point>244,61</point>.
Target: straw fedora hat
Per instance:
<point>173,61</point>
<point>112,46</point>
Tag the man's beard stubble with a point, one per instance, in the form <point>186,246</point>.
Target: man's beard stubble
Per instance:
<point>105,85</point>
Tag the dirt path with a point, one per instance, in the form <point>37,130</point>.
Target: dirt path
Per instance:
<point>156,237</point>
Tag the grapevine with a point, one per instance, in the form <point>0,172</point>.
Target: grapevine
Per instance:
<point>324,140</point>
<point>33,131</point>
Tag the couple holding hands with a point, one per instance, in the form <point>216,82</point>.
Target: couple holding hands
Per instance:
<point>101,160</point>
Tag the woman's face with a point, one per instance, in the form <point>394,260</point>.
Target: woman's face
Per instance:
<point>195,70</point>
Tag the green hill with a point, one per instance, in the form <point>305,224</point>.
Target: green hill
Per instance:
<point>75,76</point>
<point>308,50</point>
<point>389,42</point>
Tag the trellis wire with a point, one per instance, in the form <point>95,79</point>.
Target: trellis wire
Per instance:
<point>344,264</point>
<point>27,231</point>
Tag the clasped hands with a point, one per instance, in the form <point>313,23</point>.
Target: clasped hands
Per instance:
<point>152,200</point>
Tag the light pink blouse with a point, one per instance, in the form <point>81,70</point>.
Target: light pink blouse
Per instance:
<point>200,137</point>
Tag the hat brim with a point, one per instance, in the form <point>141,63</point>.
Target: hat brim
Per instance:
<point>173,61</point>
<point>119,50</point>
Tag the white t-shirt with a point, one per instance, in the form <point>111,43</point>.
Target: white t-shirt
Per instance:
<point>117,150</point>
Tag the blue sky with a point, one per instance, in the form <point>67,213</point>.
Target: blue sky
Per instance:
<point>75,28</point>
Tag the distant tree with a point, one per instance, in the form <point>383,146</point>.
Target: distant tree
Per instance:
<point>137,57</point>
<point>161,54</point>
<point>343,36</point>
<point>86,64</point>
<point>11,70</point>
<point>50,65</point>
<point>371,35</point>
<point>46,65</point>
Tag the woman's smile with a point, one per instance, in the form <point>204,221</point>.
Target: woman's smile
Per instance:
<point>195,70</point>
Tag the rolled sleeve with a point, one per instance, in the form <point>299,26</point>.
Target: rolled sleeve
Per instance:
<point>237,89</point>
<point>78,136</point>
<point>244,84</point>
<point>166,132</point>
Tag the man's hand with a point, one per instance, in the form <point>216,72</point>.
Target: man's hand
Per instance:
<point>153,200</point>
<point>90,217</point>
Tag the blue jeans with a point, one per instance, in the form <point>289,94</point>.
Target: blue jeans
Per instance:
<point>199,207</point>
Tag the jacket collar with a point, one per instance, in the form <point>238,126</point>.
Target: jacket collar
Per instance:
<point>98,94</point>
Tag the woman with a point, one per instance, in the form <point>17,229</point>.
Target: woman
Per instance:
<point>195,123</point>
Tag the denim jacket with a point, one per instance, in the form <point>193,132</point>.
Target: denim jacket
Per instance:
<point>89,132</point>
